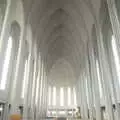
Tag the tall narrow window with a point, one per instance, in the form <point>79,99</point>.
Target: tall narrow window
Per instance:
<point>49,95</point>
<point>54,96</point>
<point>116,58</point>
<point>61,96</point>
<point>75,100</point>
<point>99,79</point>
<point>24,79</point>
<point>6,64</point>
<point>69,96</point>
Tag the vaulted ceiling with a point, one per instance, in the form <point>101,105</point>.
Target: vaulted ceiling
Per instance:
<point>62,29</point>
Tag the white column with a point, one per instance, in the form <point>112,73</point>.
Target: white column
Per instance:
<point>28,84</point>
<point>3,30</point>
<point>77,94</point>
<point>89,85</point>
<point>115,79</point>
<point>4,33</point>
<point>82,99</point>
<point>114,21</point>
<point>72,96</point>
<point>17,84</point>
<point>34,84</point>
<point>46,89</point>
<point>29,95</point>
<point>72,100</point>
<point>37,102</point>
<point>104,72</point>
<point>66,99</point>
<point>46,96</point>
<point>40,92</point>
<point>80,96</point>
<point>85,96</point>
<point>43,95</point>
<point>51,96</point>
<point>116,30</point>
<point>58,97</point>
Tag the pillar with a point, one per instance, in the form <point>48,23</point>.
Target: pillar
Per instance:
<point>43,94</point>
<point>34,85</point>
<point>115,79</point>
<point>46,96</point>
<point>58,96</point>
<point>89,85</point>
<point>28,95</point>
<point>4,34</point>
<point>77,94</point>
<point>72,96</point>
<point>85,95</point>
<point>104,72</point>
<point>41,91</point>
<point>116,30</point>
<point>15,92</point>
<point>114,21</point>
<point>28,87</point>
<point>66,99</point>
<point>37,102</point>
<point>51,96</point>
<point>94,78</point>
<point>81,98</point>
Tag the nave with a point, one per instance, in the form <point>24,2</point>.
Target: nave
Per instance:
<point>59,59</point>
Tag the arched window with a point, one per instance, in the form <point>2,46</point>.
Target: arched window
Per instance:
<point>10,57</point>
<point>2,12</point>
